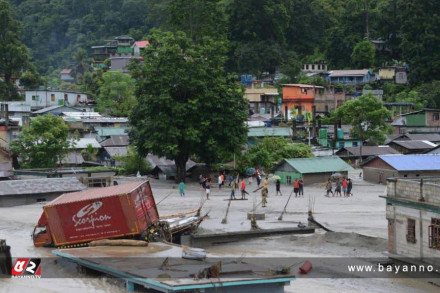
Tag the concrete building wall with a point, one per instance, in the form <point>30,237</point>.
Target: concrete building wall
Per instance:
<point>433,118</point>
<point>387,73</point>
<point>377,175</point>
<point>318,178</point>
<point>401,77</point>
<point>42,99</point>
<point>25,199</point>
<point>409,204</point>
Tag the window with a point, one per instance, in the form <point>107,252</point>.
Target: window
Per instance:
<point>35,98</point>
<point>52,97</point>
<point>304,90</point>
<point>435,116</point>
<point>319,67</point>
<point>355,143</point>
<point>434,233</point>
<point>411,231</point>
<point>341,144</point>
<point>313,66</point>
<point>97,182</point>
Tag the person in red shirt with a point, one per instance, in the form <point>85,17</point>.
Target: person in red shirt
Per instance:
<point>243,189</point>
<point>344,186</point>
<point>296,187</point>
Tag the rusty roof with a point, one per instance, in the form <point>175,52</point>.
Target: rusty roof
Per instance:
<point>96,193</point>
<point>36,186</point>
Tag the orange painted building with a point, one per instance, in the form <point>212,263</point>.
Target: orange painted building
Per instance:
<point>300,98</point>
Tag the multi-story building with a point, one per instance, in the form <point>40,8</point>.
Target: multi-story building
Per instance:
<point>299,99</point>
<point>38,99</point>
<point>413,214</point>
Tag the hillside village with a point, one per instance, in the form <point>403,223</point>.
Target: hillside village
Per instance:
<point>299,135</point>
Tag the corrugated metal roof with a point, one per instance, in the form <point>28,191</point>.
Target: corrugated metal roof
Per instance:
<point>335,73</point>
<point>116,151</point>
<point>105,120</point>
<point>423,162</point>
<point>370,150</point>
<point>84,141</point>
<point>260,117</point>
<point>66,71</point>
<point>433,137</point>
<point>81,114</point>
<point>110,131</point>
<point>17,106</point>
<point>115,140</point>
<point>269,131</point>
<point>73,158</point>
<point>51,108</point>
<point>36,186</point>
<point>96,193</point>
<point>415,144</point>
<point>319,165</point>
<point>156,161</point>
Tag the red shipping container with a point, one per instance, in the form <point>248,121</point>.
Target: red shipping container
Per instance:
<point>110,212</point>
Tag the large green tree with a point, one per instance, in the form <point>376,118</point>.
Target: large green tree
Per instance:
<point>43,144</point>
<point>187,104</point>
<point>116,94</point>
<point>363,54</point>
<point>271,150</point>
<point>420,38</point>
<point>14,56</point>
<point>368,115</point>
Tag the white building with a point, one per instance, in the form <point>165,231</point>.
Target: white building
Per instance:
<point>39,99</point>
<point>413,214</point>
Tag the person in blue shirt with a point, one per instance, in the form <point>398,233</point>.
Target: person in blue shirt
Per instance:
<point>182,188</point>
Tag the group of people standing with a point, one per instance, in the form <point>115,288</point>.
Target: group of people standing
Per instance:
<point>344,185</point>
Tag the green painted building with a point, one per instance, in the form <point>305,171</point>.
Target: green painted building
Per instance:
<point>312,170</point>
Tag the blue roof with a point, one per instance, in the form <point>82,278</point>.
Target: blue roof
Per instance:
<point>413,162</point>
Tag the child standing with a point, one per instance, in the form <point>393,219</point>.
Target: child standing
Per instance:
<point>182,188</point>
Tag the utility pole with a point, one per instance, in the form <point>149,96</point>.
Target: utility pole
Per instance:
<point>367,26</point>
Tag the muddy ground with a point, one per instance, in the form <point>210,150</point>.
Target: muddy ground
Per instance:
<point>358,222</point>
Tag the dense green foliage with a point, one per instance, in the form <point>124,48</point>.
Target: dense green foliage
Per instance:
<point>264,34</point>
<point>269,151</point>
<point>132,163</point>
<point>116,94</point>
<point>14,56</point>
<point>367,115</point>
<point>43,144</point>
<point>187,104</point>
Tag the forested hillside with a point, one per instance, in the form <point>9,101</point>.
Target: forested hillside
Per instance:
<point>264,35</point>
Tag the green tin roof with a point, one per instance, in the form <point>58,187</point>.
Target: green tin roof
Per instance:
<point>269,131</point>
<point>319,165</point>
<point>109,131</point>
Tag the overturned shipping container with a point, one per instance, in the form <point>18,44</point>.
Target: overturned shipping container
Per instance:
<point>127,210</point>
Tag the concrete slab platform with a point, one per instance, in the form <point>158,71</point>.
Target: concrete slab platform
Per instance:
<point>160,267</point>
